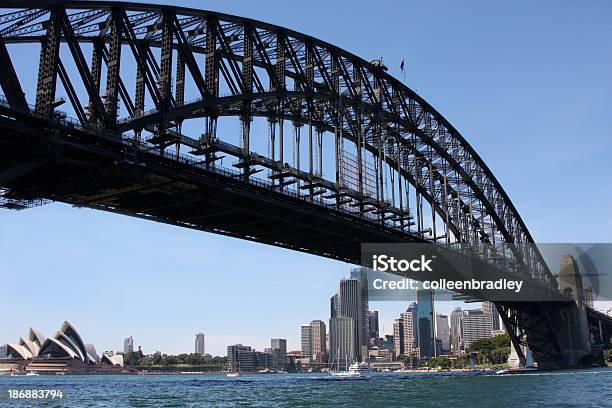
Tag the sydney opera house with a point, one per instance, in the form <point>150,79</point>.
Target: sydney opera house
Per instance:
<point>65,352</point>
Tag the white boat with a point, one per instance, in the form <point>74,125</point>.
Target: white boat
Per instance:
<point>519,370</point>
<point>354,370</point>
<point>236,374</point>
<point>359,368</point>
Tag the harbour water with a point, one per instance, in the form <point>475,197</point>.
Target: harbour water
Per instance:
<point>586,388</point>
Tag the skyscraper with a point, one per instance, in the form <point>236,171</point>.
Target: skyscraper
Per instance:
<point>362,275</point>
<point>426,323</point>
<point>199,344</point>
<point>373,324</point>
<point>306,340</point>
<point>398,336</point>
<point>349,298</point>
<point>342,337</point>
<point>443,333</point>
<point>456,330</point>
<point>318,342</point>
<point>491,310</point>
<point>410,344</point>
<point>334,306</point>
<point>476,326</point>
<point>128,345</point>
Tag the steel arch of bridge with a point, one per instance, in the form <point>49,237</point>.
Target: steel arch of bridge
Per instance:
<point>248,69</point>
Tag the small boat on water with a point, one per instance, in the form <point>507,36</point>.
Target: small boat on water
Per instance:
<point>234,374</point>
<point>28,374</point>
<point>518,370</point>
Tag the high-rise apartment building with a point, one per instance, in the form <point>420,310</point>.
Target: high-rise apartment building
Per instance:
<point>128,345</point>
<point>199,344</point>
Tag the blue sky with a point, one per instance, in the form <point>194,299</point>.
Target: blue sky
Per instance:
<point>528,85</point>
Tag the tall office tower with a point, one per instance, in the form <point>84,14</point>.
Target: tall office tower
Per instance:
<point>410,344</point>
<point>306,340</point>
<point>476,326</point>
<point>456,330</point>
<point>334,306</point>
<point>279,354</point>
<point>319,334</point>
<point>426,323</point>
<point>342,341</point>
<point>398,336</point>
<point>373,324</point>
<point>588,296</point>
<point>128,345</point>
<point>199,344</point>
<point>362,275</point>
<point>350,302</point>
<point>443,333</point>
<point>491,310</point>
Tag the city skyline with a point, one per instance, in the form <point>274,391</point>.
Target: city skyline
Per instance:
<point>132,256</point>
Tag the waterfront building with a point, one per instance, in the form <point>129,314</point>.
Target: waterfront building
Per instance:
<point>245,358</point>
<point>491,310</point>
<point>128,345</point>
<point>279,354</point>
<point>306,340</point>
<point>64,352</point>
<point>456,330</point>
<point>373,324</point>
<point>342,338</point>
<point>3,350</point>
<point>442,334</point>
<point>426,323</point>
<point>476,326</point>
<point>200,344</point>
<point>279,357</point>
<point>318,342</point>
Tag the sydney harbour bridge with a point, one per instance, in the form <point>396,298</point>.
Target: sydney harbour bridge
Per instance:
<point>242,128</point>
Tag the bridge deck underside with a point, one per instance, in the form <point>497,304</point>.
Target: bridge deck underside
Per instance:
<point>87,171</point>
